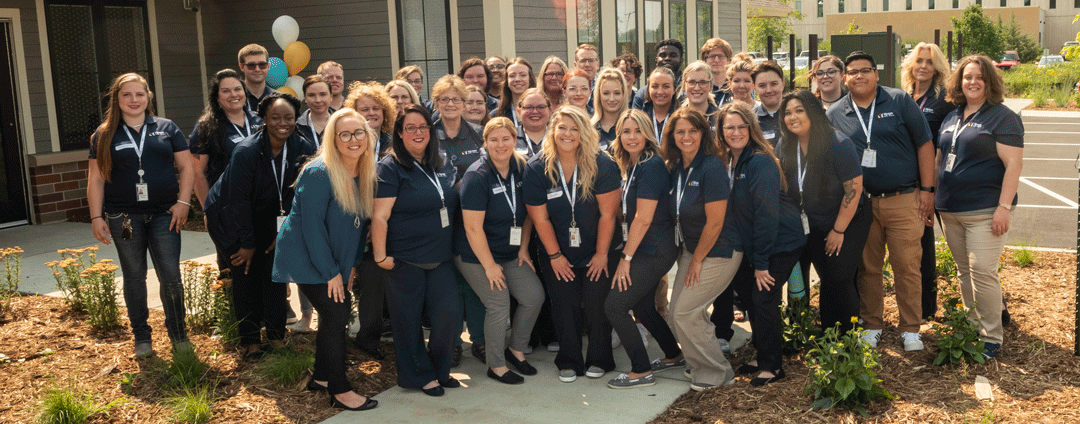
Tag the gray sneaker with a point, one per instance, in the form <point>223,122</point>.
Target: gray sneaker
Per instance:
<point>144,350</point>
<point>624,381</point>
<point>567,376</point>
<point>724,346</point>
<point>595,372</point>
<point>662,365</point>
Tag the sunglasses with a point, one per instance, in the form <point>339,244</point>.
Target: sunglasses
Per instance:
<point>251,66</point>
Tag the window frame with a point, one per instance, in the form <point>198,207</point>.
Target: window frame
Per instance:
<point>428,82</point>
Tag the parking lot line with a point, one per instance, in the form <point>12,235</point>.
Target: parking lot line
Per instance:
<point>1053,178</point>
<point>1058,159</point>
<point>1051,132</point>
<point>1051,144</point>
<point>1063,199</point>
<point>1047,207</point>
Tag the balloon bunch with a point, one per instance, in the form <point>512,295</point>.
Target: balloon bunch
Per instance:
<point>283,74</point>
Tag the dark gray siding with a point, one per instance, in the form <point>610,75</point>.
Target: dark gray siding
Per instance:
<point>540,28</point>
<point>35,78</point>
<point>355,34</point>
<point>178,45</point>
<point>471,28</point>
<point>730,23</point>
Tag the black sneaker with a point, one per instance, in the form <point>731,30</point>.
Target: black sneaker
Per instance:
<point>990,350</point>
<point>455,359</point>
<point>479,352</point>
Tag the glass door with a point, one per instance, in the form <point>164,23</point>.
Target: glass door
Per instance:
<point>13,208</point>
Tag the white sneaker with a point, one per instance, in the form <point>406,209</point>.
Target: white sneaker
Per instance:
<point>644,334</point>
<point>724,346</point>
<point>615,340</point>
<point>595,372</point>
<point>871,337</point>
<point>912,341</point>
<point>567,376</point>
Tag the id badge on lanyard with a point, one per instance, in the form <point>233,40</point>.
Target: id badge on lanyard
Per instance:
<point>802,177</point>
<point>444,214</point>
<point>515,231</point>
<point>142,190</point>
<point>869,159</point>
<point>571,196</point>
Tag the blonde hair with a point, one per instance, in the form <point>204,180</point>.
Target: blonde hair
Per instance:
<point>551,60</point>
<point>446,83</point>
<point>354,198</point>
<point>328,64</point>
<point>504,122</point>
<point>376,93</point>
<point>621,156</point>
<point>696,66</point>
<point>713,44</point>
<point>741,62</point>
<point>937,58</point>
<point>605,75</point>
<point>408,87</point>
<point>588,146</point>
<point>405,71</point>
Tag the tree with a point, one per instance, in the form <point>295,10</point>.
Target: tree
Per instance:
<point>1073,52</point>
<point>979,34</point>
<point>1015,39</point>
<point>759,28</point>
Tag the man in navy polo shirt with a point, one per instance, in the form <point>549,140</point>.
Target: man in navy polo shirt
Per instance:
<point>254,62</point>
<point>893,137</point>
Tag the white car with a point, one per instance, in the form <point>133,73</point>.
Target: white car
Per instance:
<point>781,59</point>
<point>1050,60</point>
<point>802,62</point>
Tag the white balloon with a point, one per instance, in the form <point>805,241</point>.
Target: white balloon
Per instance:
<point>296,83</point>
<point>285,30</point>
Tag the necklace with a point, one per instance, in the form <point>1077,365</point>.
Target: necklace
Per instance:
<point>833,100</point>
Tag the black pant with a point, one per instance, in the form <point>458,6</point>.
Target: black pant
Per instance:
<point>412,289</point>
<point>929,274</point>
<point>839,300</point>
<point>567,298</point>
<point>331,337</point>
<point>543,332</point>
<point>645,274</point>
<point>722,316</point>
<point>259,301</point>
<point>764,313</point>
<point>370,292</point>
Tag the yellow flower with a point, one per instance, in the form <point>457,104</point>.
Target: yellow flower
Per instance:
<point>854,319</point>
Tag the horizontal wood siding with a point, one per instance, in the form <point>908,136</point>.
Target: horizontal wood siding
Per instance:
<point>730,23</point>
<point>39,111</point>
<point>540,28</point>
<point>178,44</point>
<point>471,29</point>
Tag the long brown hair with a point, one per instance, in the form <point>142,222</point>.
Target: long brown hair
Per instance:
<point>670,149</point>
<point>757,138</point>
<point>107,129</point>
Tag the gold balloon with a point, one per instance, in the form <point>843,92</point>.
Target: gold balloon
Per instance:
<point>297,55</point>
<point>287,90</point>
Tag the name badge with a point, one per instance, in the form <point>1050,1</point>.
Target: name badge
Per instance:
<point>444,216</point>
<point>869,158</point>
<point>123,146</point>
<point>554,194</point>
<point>805,224</point>
<point>769,134</point>
<point>142,192</point>
<point>625,231</point>
<point>500,189</point>
<point>575,237</point>
<point>950,160</point>
<point>280,222</point>
<point>236,139</point>
<point>515,236</point>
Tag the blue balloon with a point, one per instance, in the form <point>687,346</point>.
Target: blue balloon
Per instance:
<point>278,73</point>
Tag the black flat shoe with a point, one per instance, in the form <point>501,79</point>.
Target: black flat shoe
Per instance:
<point>434,391</point>
<point>761,381</point>
<point>450,383</point>
<point>479,351</point>
<point>747,369</point>
<point>455,359</point>
<point>375,353</point>
<point>370,404</point>
<point>522,366</point>
<point>508,377</point>
<point>313,386</point>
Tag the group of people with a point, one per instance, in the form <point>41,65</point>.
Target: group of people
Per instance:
<point>551,204</point>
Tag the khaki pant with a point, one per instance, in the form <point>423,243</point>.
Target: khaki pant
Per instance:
<point>898,226</point>
<point>977,251</point>
<point>689,309</point>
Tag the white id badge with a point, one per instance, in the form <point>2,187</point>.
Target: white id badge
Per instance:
<point>500,189</point>
<point>805,224</point>
<point>950,160</point>
<point>142,192</point>
<point>555,194</point>
<point>515,236</point>
<point>625,231</point>
<point>869,158</point>
<point>769,135</point>
<point>280,222</point>
<point>444,215</point>
<point>575,237</point>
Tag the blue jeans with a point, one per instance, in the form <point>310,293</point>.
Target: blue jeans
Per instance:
<point>150,232</point>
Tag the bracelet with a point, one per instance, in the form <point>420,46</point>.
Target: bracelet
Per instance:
<point>1007,206</point>
<point>383,260</point>
<point>555,256</point>
<point>837,232</point>
<point>181,201</point>
<point>96,217</point>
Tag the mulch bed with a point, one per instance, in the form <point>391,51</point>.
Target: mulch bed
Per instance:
<point>1036,378</point>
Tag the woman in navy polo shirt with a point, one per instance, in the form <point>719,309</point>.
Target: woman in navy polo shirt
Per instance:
<point>824,178</point>
<point>317,98</point>
<point>740,80</point>
<point>475,106</point>
<point>660,99</point>
<point>697,90</point>
<point>611,97</point>
<point>982,153</point>
<point>709,253</point>
<point>576,92</point>
<point>411,233</point>
<point>572,195</point>
<point>494,255</point>
<point>474,72</point>
<point>827,80</point>
<point>246,207</point>
<point>534,108</point>
<point>649,252</point>
<point>519,77</point>
<point>771,233</point>
<point>550,78</point>
<point>320,244</point>
<point>136,200</point>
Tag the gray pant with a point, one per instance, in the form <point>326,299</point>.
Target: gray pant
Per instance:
<point>525,286</point>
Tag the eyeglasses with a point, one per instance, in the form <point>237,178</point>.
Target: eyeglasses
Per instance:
<point>252,65</point>
<point>498,66</point>
<point>588,60</point>
<point>554,74</point>
<point>445,100</point>
<point>701,83</point>
<point>716,57</point>
<point>532,109</point>
<point>731,129</point>
<point>475,103</point>
<point>830,72</point>
<point>413,129</point>
<point>349,137</point>
<point>856,72</point>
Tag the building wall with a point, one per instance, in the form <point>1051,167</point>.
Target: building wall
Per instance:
<point>540,29</point>
<point>471,29</point>
<point>920,25</point>
<point>729,20</point>
<point>35,77</point>
<point>181,79</point>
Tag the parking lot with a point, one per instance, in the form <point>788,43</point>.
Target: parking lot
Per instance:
<point>1046,215</point>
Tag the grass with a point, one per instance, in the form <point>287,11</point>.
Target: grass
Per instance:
<point>946,265</point>
<point>192,405</point>
<point>185,370</point>
<point>65,406</point>
<point>285,366</point>
<point>1024,256</point>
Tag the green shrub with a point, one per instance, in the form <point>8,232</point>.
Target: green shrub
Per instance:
<point>9,284</point>
<point>192,406</point>
<point>946,265</point>
<point>1024,256</point>
<point>223,311</point>
<point>185,370</point>
<point>1062,96</point>
<point>958,338</point>
<point>1040,96</point>
<point>198,295</point>
<point>800,324</point>
<point>67,273</point>
<point>64,406</point>
<point>99,295</point>
<point>285,366</point>
<point>1026,79</point>
<point>843,371</point>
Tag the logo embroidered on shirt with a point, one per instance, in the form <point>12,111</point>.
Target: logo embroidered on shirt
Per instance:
<point>693,183</point>
<point>885,115</point>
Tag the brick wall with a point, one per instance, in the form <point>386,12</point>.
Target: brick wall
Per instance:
<point>59,191</point>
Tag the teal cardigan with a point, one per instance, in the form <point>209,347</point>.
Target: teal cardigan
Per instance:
<point>318,239</point>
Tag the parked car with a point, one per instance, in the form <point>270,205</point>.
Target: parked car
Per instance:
<point>802,62</point>
<point>781,59</point>
<point>1050,60</point>
<point>1008,60</point>
<point>758,57</point>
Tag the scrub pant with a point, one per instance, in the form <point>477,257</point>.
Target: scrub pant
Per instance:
<point>896,225</point>
<point>370,293</point>
<point>689,308</point>
<point>525,287</point>
<point>566,299</point>
<point>977,251</point>
<point>474,311</point>
<point>839,300</point>
<point>150,232</point>
<point>331,337</point>
<point>764,314</point>
<point>645,274</point>
<point>928,267</point>
<point>258,301</point>
<point>411,289</point>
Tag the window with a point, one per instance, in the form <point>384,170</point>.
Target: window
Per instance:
<point>1027,2</point>
<point>626,32</point>
<point>1053,4</point>
<point>931,5</point>
<point>677,21</point>
<point>705,19</point>
<point>425,38</point>
<point>884,5</point>
<point>92,42</point>
<point>955,4</point>
<point>654,32</point>
<point>588,24</point>
<point>1005,3</point>
<point>840,6</point>
<point>862,6</point>
<point>907,5</point>
<point>821,8</point>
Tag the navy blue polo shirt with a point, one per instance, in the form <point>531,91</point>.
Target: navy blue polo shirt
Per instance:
<point>722,94</point>
<point>606,137</point>
<point>307,129</point>
<point>415,233</point>
<point>975,180</point>
<point>525,145</point>
<point>383,147</point>
<point>707,183</point>
<point>823,189</point>
<point>540,191</point>
<point>934,108</point>
<point>658,126</point>
<point>483,189</point>
<point>462,150</point>
<point>163,139</point>
<point>766,219</point>
<point>510,114</point>
<point>253,102</point>
<point>770,124</point>
<point>650,181</point>
<point>899,128</point>
<point>220,154</point>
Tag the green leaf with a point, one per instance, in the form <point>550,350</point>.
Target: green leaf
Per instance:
<point>941,357</point>
<point>845,386</point>
<point>864,382</point>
